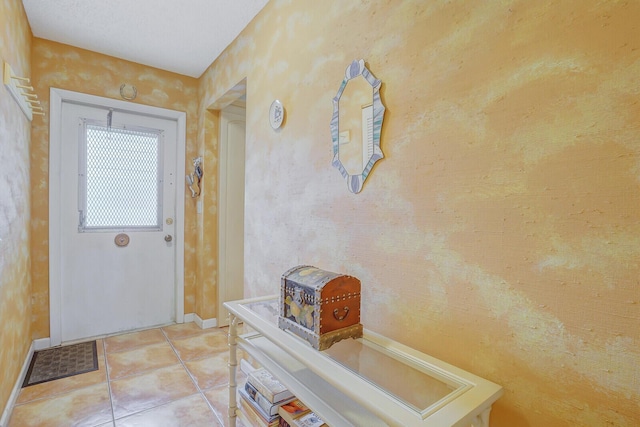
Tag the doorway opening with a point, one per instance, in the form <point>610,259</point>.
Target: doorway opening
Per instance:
<point>231,136</point>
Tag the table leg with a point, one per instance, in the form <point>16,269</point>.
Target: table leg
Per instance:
<point>233,364</point>
<point>482,420</point>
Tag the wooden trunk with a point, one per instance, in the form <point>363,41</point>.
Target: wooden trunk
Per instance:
<point>320,306</point>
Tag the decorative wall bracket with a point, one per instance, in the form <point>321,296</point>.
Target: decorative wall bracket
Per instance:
<point>195,178</point>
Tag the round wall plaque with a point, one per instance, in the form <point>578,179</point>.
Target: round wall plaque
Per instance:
<point>276,114</point>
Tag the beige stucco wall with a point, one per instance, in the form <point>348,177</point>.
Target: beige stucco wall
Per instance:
<point>15,211</point>
<point>65,67</point>
<point>500,233</point>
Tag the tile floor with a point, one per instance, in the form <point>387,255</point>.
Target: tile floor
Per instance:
<point>170,376</point>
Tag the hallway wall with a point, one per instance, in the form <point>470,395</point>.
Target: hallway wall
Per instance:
<point>500,232</point>
<point>15,211</point>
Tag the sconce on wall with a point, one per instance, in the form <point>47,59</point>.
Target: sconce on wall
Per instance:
<point>195,178</point>
<point>22,92</point>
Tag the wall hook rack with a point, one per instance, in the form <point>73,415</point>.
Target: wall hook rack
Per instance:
<point>20,89</point>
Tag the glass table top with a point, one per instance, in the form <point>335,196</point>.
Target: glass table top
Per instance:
<point>417,384</point>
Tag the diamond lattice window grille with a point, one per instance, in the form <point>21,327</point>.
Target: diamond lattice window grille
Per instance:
<point>121,186</point>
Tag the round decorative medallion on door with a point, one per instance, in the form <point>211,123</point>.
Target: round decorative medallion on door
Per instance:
<point>122,240</point>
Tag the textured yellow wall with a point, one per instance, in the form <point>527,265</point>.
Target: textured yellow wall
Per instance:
<point>206,290</point>
<point>65,67</point>
<point>500,233</point>
<point>15,277</point>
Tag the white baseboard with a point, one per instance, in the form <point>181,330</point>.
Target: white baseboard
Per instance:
<point>206,323</point>
<point>4,420</point>
<point>41,344</point>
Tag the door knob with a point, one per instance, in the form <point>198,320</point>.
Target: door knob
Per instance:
<point>168,238</point>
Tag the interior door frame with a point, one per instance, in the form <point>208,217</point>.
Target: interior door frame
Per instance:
<point>57,97</point>
<point>223,209</point>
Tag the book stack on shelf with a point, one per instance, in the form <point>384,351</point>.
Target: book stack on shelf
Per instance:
<point>261,398</point>
<point>296,414</point>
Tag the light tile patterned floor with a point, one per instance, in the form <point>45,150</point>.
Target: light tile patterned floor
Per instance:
<point>171,376</point>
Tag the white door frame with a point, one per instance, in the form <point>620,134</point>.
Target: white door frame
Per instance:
<point>224,287</point>
<point>57,97</point>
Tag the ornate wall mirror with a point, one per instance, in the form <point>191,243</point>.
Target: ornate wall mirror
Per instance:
<point>355,125</point>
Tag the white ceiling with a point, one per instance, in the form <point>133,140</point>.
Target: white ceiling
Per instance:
<point>182,36</point>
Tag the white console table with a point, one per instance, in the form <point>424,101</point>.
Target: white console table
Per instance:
<point>372,381</point>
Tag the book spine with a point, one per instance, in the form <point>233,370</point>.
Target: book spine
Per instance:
<point>257,409</point>
<point>250,414</point>
<point>269,386</point>
<point>262,389</point>
<point>309,420</point>
<point>292,410</point>
<point>263,402</point>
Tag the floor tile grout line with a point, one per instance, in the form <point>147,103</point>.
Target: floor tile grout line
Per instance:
<point>108,377</point>
<point>200,391</point>
<point>180,336</point>
<point>143,373</point>
<point>134,346</point>
<point>149,369</point>
<point>137,347</point>
<point>146,371</point>
<point>153,408</point>
<point>184,366</point>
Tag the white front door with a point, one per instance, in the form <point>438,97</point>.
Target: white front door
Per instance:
<point>117,216</point>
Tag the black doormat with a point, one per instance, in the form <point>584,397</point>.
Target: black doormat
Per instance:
<point>61,362</point>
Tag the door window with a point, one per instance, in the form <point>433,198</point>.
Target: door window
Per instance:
<point>120,178</point>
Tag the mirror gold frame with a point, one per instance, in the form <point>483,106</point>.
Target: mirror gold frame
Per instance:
<point>371,141</point>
